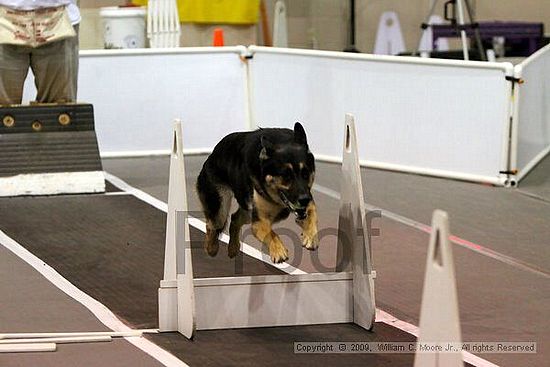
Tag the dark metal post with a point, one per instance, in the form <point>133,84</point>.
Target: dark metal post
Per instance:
<point>351,39</point>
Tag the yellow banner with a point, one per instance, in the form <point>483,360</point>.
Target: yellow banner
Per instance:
<point>216,11</point>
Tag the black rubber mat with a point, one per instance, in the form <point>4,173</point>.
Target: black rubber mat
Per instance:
<point>274,346</point>
<point>111,247</point>
<point>48,138</point>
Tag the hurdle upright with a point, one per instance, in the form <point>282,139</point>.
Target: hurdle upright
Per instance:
<point>187,304</point>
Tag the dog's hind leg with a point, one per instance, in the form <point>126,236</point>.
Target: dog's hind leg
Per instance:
<point>216,202</point>
<point>238,219</point>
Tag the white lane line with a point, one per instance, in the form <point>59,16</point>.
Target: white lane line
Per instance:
<point>116,193</point>
<point>102,313</point>
<point>381,316</point>
<point>519,264</point>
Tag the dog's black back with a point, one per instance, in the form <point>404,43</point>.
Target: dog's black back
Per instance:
<point>270,173</point>
<point>241,161</point>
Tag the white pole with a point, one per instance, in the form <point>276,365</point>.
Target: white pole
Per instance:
<point>154,20</point>
<point>176,22</point>
<point>114,334</point>
<point>149,23</point>
<point>280,33</point>
<point>171,23</point>
<point>463,36</point>
<point>64,340</point>
<point>20,348</point>
<point>162,22</point>
<point>167,34</point>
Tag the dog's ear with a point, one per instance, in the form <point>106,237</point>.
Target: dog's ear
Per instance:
<point>300,134</point>
<point>267,148</point>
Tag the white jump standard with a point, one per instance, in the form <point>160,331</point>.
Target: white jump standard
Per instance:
<point>187,304</point>
<point>439,317</point>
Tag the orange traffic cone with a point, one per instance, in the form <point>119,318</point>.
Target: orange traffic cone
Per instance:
<point>218,37</point>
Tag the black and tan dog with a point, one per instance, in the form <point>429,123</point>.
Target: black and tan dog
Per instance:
<point>270,173</point>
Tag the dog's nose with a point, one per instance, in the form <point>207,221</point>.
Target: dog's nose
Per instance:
<point>304,200</point>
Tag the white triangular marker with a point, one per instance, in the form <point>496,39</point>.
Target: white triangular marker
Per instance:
<point>353,239</point>
<point>389,39</point>
<point>177,202</point>
<point>439,319</point>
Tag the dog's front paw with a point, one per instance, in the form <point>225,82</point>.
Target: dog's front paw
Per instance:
<point>310,240</point>
<point>278,254</point>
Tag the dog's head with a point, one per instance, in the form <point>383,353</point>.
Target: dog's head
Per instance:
<point>288,170</point>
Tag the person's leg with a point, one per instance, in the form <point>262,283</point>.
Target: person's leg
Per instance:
<point>14,66</point>
<point>55,68</point>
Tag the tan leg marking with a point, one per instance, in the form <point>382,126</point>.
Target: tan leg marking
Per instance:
<point>310,239</point>
<point>262,230</point>
<point>267,212</point>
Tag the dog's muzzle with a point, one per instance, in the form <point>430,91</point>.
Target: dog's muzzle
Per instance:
<point>299,212</point>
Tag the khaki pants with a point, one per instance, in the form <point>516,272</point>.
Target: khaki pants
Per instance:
<point>55,69</point>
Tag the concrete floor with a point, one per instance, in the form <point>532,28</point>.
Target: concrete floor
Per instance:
<point>502,297</point>
<point>504,290</point>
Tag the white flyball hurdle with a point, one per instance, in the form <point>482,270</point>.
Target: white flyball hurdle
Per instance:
<point>187,304</point>
<point>163,24</point>
<point>439,317</point>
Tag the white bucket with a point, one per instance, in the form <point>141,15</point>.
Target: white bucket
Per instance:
<point>123,27</point>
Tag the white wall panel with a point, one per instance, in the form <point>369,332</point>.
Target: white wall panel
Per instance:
<point>533,115</point>
<point>446,118</point>
<point>137,93</point>
<point>441,117</point>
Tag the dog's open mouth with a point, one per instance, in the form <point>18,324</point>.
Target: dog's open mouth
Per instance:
<point>299,211</point>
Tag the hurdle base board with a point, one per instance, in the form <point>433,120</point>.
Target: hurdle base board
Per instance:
<point>273,300</point>
<point>168,306</point>
<point>53,183</point>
